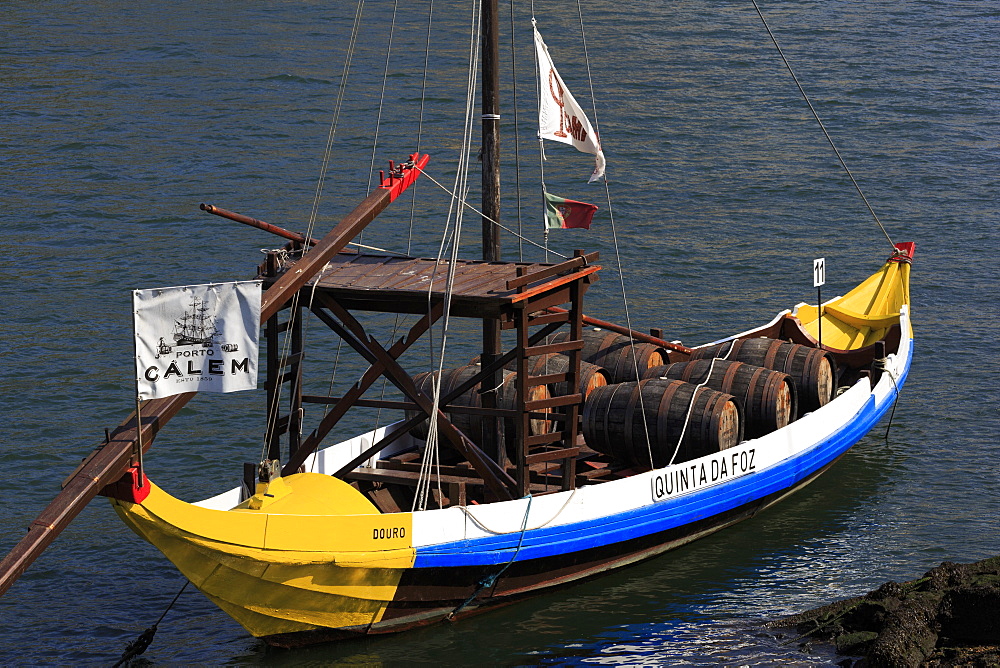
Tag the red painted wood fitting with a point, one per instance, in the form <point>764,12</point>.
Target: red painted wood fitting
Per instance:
<point>401,177</point>
<point>127,487</point>
<point>904,252</point>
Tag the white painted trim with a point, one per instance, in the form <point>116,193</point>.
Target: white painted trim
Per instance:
<point>434,527</point>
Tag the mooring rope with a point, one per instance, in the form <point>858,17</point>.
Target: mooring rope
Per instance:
<point>491,579</point>
<point>821,126</point>
<point>479,523</point>
<point>883,364</point>
<point>142,643</point>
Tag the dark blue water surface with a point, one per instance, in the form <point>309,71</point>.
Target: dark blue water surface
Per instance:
<point>116,120</point>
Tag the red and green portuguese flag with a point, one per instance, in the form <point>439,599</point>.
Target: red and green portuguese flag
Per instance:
<point>562,213</point>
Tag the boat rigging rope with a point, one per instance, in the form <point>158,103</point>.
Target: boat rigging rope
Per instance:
<point>463,201</point>
<point>381,101</point>
<point>517,138</point>
<point>420,121</point>
<point>272,409</point>
<point>142,643</point>
<point>412,188</point>
<point>821,126</point>
<point>293,312</point>
<point>541,146</point>
<point>310,229</point>
<point>614,232</point>
<point>335,121</point>
<point>452,236</point>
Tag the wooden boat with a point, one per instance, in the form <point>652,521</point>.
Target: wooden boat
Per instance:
<point>311,557</point>
<point>387,531</point>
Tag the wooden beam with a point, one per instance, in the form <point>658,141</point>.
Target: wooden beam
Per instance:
<point>107,465</point>
<point>635,334</point>
<point>410,406</point>
<point>496,478</point>
<point>554,270</point>
<point>359,388</point>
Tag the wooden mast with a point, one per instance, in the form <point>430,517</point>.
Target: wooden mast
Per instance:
<point>491,205</point>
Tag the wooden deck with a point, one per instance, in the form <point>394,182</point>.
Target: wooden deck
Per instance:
<point>401,284</point>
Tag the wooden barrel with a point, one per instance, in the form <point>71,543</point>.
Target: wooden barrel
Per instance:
<point>769,397</point>
<point>614,416</point>
<point>591,375</point>
<point>813,371</point>
<point>616,353</point>
<point>471,424</point>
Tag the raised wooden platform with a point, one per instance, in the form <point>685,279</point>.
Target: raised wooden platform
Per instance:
<point>396,284</point>
<point>515,295</point>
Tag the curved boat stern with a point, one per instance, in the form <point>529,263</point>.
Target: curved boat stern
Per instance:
<point>284,568</point>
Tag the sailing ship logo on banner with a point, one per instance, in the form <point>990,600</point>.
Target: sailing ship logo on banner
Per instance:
<point>196,338</point>
<point>193,328</point>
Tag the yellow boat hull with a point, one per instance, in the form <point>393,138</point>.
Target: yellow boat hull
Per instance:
<point>284,572</point>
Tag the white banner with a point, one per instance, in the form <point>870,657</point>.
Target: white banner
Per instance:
<point>560,117</point>
<point>196,338</point>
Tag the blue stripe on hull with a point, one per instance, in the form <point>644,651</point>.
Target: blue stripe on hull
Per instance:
<point>660,516</point>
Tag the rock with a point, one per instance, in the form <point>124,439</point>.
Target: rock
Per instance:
<point>949,617</point>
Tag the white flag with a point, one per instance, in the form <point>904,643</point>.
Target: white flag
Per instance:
<point>196,338</point>
<point>560,117</point>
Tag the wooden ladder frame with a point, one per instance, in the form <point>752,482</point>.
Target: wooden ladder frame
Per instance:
<point>560,445</point>
<point>534,292</point>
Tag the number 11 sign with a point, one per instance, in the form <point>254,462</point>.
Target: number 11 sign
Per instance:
<point>819,271</point>
<point>819,278</point>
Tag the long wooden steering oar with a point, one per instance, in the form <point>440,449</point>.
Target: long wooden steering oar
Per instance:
<point>112,459</point>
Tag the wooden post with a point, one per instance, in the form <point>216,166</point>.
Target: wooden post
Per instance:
<point>272,437</point>
<point>492,444</point>
<point>523,475</point>
<point>295,390</point>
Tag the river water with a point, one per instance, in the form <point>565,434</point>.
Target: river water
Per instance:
<point>117,120</point>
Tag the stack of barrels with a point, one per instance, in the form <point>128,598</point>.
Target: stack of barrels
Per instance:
<point>591,376</point>
<point>682,411</point>
<point>672,412</point>
<point>768,397</point>
<point>471,424</point>
<point>659,421</point>
<point>813,371</point>
<point>617,354</point>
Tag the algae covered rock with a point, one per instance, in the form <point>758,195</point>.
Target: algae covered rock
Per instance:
<point>949,617</point>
